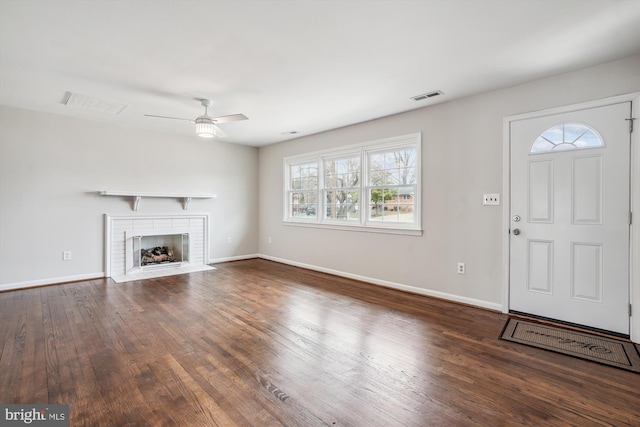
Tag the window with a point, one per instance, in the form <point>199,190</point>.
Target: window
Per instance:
<point>373,186</point>
<point>342,188</point>
<point>567,136</point>
<point>392,179</point>
<point>303,194</point>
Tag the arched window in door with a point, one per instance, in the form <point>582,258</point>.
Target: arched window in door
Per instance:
<point>566,136</point>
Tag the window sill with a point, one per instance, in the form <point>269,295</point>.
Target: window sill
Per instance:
<point>360,228</point>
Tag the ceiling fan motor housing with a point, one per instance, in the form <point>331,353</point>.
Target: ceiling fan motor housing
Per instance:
<point>205,127</point>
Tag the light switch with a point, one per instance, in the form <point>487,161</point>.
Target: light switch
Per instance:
<point>491,199</point>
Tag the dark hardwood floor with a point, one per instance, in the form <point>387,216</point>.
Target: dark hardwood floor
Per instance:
<point>256,343</point>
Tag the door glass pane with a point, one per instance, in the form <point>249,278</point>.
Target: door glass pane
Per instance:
<point>567,136</point>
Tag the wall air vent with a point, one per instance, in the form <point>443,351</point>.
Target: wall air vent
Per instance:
<point>427,95</point>
<point>85,102</point>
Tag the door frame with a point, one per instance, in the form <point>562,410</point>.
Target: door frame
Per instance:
<point>634,237</point>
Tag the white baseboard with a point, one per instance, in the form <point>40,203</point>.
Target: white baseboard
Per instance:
<point>398,286</point>
<point>393,285</point>
<point>50,281</point>
<point>234,258</point>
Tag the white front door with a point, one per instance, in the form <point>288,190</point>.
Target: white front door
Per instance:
<point>569,242</point>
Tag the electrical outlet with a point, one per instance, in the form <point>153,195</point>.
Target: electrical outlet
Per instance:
<point>491,199</point>
<point>228,240</point>
<point>461,268</point>
<point>269,240</point>
<point>66,255</point>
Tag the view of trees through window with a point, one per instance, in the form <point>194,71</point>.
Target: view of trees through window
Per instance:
<point>392,185</point>
<point>304,190</point>
<point>374,185</point>
<point>342,188</point>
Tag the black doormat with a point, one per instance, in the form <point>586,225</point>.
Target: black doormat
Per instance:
<point>621,354</point>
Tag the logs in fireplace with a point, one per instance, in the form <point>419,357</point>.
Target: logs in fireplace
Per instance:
<point>157,255</point>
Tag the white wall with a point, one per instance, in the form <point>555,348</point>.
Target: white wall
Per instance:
<point>462,159</point>
<point>51,168</point>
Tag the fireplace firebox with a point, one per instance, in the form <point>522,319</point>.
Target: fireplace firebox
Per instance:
<point>159,251</point>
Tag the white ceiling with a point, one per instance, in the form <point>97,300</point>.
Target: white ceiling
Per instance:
<point>293,65</point>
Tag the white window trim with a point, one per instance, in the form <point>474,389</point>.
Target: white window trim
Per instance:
<point>363,150</point>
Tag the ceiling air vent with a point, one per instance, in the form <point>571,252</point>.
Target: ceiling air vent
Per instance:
<point>93,104</point>
<point>427,95</point>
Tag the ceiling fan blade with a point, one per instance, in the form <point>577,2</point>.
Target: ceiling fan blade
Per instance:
<point>230,118</point>
<point>165,117</point>
<point>219,133</point>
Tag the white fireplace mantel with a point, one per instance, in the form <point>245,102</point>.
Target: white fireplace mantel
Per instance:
<point>137,196</point>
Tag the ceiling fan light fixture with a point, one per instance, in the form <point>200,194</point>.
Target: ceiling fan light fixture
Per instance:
<point>205,127</point>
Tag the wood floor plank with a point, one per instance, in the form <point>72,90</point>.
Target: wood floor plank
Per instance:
<point>257,343</point>
<point>13,329</point>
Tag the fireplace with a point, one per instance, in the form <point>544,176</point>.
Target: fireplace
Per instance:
<point>151,246</point>
<point>160,251</point>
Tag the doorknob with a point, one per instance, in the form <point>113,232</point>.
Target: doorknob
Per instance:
<point>515,231</point>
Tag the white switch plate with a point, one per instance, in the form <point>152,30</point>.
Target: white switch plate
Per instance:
<point>491,199</point>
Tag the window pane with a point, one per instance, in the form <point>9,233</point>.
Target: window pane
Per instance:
<point>379,199</point>
<point>541,145</point>
<point>392,204</point>
<point>588,139</point>
<point>342,181</point>
<point>405,206</point>
<point>305,175</point>
<point>567,136</point>
<point>342,173</point>
<point>393,167</point>
<point>392,176</point>
<point>303,205</point>
<point>342,205</point>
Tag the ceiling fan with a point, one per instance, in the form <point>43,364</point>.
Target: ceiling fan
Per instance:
<point>205,124</point>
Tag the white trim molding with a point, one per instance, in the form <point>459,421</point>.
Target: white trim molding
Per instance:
<point>393,285</point>
<point>234,258</point>
<point>51,281</point>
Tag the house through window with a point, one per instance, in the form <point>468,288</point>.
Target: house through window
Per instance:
<point>372,186</point>
<point>392,185</point>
